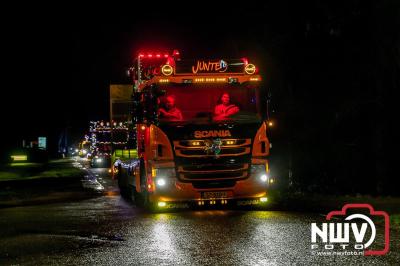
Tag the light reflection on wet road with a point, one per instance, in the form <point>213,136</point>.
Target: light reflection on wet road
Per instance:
<point>107,230</point>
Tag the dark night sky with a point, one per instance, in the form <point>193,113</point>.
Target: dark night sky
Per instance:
<point>332,66</point>
<point>61,63</point>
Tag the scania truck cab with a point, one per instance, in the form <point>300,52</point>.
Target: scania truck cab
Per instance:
<point>193,145</point>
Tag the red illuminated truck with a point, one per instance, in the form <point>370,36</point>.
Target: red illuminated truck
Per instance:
<point>201,130</point>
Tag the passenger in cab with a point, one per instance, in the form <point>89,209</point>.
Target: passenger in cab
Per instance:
<point>170,111</point>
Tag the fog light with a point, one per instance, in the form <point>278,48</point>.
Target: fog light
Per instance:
<point>264,178</point>
<point>19,157</point>
<point>162,204</point>
<point>264,199</point>
<point>161,182</point>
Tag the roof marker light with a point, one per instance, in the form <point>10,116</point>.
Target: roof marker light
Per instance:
<point>176,55</point>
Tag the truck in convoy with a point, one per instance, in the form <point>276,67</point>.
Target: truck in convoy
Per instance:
<point>101,144</point>
<point>84,147</point>
<point>123,142</point>
<point>202,133</point>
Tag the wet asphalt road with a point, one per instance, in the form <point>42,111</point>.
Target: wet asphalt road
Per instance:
<point>107,230</point>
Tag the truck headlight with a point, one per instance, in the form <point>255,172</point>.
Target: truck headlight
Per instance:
<point>259,171</point>
<point>161,182</point>
<point>162,175</point>
<point>264,177</point>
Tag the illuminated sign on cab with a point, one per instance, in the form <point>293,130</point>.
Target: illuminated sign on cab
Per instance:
<point>212,133</point>
<point>210,66</point>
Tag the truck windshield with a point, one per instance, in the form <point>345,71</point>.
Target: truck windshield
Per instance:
<point>120,136</point>
<point>103,136</point>
<point>205,102</point>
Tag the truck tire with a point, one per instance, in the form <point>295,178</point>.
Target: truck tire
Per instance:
<point>123,184</point>
<point>142,198</point>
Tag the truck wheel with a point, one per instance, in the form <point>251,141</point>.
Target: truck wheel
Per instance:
<point>122,184</point>
<point>141,199</point>
<point>146,203</point>
<point>122,188</point>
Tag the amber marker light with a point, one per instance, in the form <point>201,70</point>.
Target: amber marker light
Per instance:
<point>250,69</point>
<point>167,70</point>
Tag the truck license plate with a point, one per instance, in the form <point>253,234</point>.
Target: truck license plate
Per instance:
<point>214,195</point>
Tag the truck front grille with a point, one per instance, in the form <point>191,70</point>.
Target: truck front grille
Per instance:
<point>201,148</point>
<point>205,168</point>
<point>222,153</point>
<point>213,172</point>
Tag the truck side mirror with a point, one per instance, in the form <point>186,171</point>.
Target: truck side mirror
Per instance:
<point>150,96</point>
<point>137,108</point>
